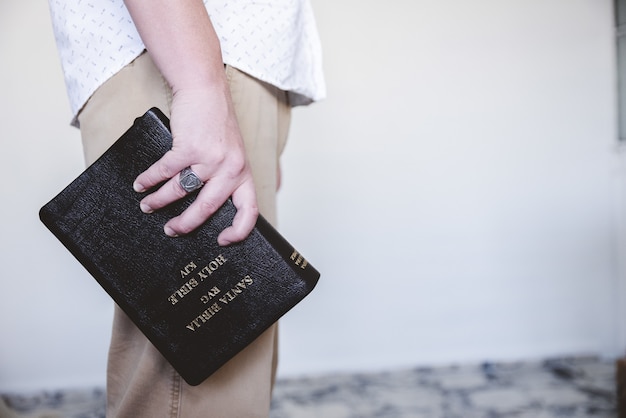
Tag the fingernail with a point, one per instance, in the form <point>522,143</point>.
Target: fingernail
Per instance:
<point>138,187</point>
<point>145,208</point>
<point>169,232</point>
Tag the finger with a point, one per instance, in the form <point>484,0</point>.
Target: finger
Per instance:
<point>244,199</point>
<point>165,168</point>
<point>163,196</point>
<point>208,201</point>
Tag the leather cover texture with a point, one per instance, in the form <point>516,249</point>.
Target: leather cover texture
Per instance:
<point>197,302</point>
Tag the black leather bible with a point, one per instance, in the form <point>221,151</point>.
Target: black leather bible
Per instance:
<point>197,302</point>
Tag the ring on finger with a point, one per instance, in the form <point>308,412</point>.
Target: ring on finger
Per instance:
<point>189,180</point>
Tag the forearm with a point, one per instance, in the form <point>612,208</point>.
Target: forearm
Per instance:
<point>181,40</point>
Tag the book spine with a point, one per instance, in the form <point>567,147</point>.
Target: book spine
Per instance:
<point>290,255</point>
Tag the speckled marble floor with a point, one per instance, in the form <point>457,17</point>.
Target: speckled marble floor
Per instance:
<point>578,387</point>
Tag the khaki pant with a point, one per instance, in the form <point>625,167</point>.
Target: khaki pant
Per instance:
<point>140,383</point>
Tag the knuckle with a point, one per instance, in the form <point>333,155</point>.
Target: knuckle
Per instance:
<point>238,236</point>
<point>164,171</point>
<point>181,225</point>
<point>207,208</point>
<point>254,211</point>
<point>236,166</point>
<point>218,157</point>
<point>185,229</point>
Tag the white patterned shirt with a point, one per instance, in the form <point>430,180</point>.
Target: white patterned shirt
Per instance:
<point>276,42</point>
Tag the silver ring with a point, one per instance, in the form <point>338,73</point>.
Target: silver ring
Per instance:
<point>189,180</point>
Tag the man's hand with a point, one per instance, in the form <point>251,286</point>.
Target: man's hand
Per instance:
<point>180,39</point>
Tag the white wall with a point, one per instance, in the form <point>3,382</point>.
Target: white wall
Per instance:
<point>54,323</point>
<point>456,189</point>
<point>460,191</point>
